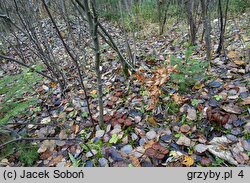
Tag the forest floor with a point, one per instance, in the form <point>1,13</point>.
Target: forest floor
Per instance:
<point>198,116</point>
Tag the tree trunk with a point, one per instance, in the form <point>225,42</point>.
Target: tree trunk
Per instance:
<point>206,25</point>
<point>191,22</point>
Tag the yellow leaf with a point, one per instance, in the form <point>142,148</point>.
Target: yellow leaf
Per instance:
<point>53,84</point>
<point>152,121</point>
<point>149,144</point>
<point>188,161</point>
<point>232,54</point>
<point>198,86</point>
<point>239,62</point>
<point>177,98</point>
<point>135,161</point>
<point>93,92</point>
<point>77,129</point>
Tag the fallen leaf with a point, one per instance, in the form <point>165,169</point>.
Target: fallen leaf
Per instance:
<point>231,109</point>
<point>185,128</point>
<point>47,144</point>
<point>188,161</point>
<point>220,148</point>
<point>183,140</point>
<point>56,160</point>
<point>232,54</point>
<point>200,148</point>
<point>135,161</point>
<point>246,101</point>
<point>239,62</point>
<point>46,120</point>
<point>150,152</point>
<point>191,114</point>
<point>53,84</point>
<point>93,92</point>
<point>63,135</point>
<point>152,121</point>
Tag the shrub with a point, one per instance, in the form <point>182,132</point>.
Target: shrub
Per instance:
<point>190,71</point>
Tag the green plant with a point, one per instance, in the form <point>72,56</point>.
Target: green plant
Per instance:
<point>178,135</point>
<point>15,90</point>
<point>239,6</point>
<point>189,72</point>
<point>218,162</point>
<point>28,154</point>
<point>173,107</point>
<point>114,139</point>
<point>94,146</point>
<point>195,102</point>
<point>218,97</point>
<point>76,163</point>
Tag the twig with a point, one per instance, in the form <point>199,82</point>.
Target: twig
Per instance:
<point>73,59</point>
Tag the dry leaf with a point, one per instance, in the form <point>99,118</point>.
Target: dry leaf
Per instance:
<point>152,121</point>
<point>177,98</point>
<point>47,144</point>
<point>63,135</point>
<point>188,161</point>
<point>232,54</point>
<point>53,84</point>
<point>231,109</point>
<point>183,140</point>
<point>239,62</point>
<point>246,101</point>
<point>93,92</point>
<point>76,129</point>
<point>135,161</point>
<point>56,160</point>
<point>149,144</point>
<point>219,148</point>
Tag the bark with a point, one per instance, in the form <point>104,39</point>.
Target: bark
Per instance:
<point>191,22</point>
<point>207,27</point>
<point>93,26</point>
<point>223,21</point>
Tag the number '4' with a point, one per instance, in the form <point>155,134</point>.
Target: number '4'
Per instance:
<point>241,174</point>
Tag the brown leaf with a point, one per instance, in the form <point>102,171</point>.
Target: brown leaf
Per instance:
<point>149,144</point>
<point>231,109</point>
<point>183,140</point>
<point>156,146</point>
<point>209,113</point>
<point>93,92</point>
<point>225,119</point>
<point>135,162</point>
<point>63,135</point>
<point>159,156</point>
<point>47,144</point>
<point>150,152</point>
<point>163,150</point>
<point>53,84</point>
<point>152,121</point>
<point>128,122</point>
<point>56,160</point>
<point>246,101</point>
<point>107,118</point>
<point>185,128</point>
